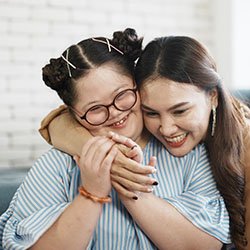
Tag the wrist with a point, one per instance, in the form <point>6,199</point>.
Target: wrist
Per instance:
<point>93,197</point>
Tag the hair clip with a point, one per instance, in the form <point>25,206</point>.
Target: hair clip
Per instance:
<point>108,44</point>
<point>68,62</point>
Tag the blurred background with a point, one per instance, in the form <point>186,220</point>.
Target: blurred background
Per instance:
<point>33,31</point>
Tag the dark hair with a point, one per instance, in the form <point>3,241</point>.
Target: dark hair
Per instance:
<point>88,54</point>
<point>185,60</point>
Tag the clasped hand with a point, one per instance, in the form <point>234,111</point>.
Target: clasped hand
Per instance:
<point>115,161</point>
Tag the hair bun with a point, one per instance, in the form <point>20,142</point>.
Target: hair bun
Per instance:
<point>128,42</point>
<point>55,74</point>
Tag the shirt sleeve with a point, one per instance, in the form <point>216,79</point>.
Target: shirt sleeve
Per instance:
<point>37,204</point>
<point>44,128</point>
<point>201,202</point>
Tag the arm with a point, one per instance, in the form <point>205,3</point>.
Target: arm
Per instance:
<point>166,226</point>
<point>66,134</point>
<point>74,228</point>
<point>46,210</point>
<point>175,220</point>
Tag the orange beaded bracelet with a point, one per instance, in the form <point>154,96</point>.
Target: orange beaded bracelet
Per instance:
<point>92,197</point>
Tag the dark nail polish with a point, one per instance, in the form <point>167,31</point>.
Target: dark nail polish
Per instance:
<point>135,198</point>
<point>155,183</point>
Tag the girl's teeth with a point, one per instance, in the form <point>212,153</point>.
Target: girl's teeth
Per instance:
<point>120,122</point>
<point>177,138</point>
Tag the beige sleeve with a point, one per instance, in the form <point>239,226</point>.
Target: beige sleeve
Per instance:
<point>247,184</point>
<point>62,131</point>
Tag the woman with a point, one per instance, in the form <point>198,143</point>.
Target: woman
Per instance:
<point>61,206</point>
<point>172,66</point>
<point>181,66</point>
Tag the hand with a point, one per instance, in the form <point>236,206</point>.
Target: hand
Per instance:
<point>129,177</point>
<point>95,163</point>
<point>132,150</point>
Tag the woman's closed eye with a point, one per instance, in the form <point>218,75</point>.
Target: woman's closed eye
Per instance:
<point>180,111</point>
<point>150,113</point>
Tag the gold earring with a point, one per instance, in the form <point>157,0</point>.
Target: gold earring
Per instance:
<point>213,120</point>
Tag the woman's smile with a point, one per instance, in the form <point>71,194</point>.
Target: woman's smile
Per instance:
<point>176,141</point>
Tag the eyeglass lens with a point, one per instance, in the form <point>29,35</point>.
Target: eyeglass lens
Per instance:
<point>100,113</point>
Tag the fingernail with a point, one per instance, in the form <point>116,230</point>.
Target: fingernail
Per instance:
<point>135,197</point>
<point>154,170</point>
<point>111,133</point>
<point>155,183</point>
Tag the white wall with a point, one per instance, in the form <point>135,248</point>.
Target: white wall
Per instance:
<point>222,37</point>
<point>241,43</point>
<point>232,40</point>
<point>32,31</point>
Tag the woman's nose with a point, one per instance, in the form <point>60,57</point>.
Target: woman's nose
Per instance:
<point>167,126</point>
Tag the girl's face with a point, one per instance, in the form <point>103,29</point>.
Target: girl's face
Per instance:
<point>100,87</point>
<point>177,114</point>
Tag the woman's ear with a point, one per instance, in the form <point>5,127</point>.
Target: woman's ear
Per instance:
<point>214,97</point>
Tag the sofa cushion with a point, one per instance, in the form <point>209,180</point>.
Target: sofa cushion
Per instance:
<point>10,179</point>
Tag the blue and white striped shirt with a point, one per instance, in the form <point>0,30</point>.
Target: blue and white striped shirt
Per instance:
<point>52,184</point>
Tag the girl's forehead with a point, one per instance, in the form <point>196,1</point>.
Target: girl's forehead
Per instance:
<point>105,77</point>
<point>100,84</point>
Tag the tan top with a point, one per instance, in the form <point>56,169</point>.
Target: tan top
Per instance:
<point>44,128</point>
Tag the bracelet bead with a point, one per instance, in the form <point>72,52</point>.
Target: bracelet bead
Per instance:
<point>92,197</point>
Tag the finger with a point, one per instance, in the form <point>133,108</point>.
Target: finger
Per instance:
<point>123,191</point>
<point>87,146</point>
<point>100,151</point>
<point>107,162</point>
<point>87,158</point>
<point>93,144</point>
<point>135,153</point>
<point>152,161</point>
<point>134,177</point>
<point>133,166</point>
<point>122,139</point>
<point>132,186</point>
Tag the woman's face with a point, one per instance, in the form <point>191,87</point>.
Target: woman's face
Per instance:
<point>177,114</point>
<point>99,87</point>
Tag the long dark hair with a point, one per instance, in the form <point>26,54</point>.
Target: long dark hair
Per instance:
<point>76,61</point>
<point>185,60</point>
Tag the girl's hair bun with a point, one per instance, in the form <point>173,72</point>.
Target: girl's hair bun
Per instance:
<point>128,42</point>
<point>55,74</point>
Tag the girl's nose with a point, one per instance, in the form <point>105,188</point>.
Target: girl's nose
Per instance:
<point>114,112</point>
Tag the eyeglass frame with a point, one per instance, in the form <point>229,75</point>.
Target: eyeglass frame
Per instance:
<point>83,117</point>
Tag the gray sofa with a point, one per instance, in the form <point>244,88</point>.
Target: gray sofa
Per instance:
<point>10,178</point>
